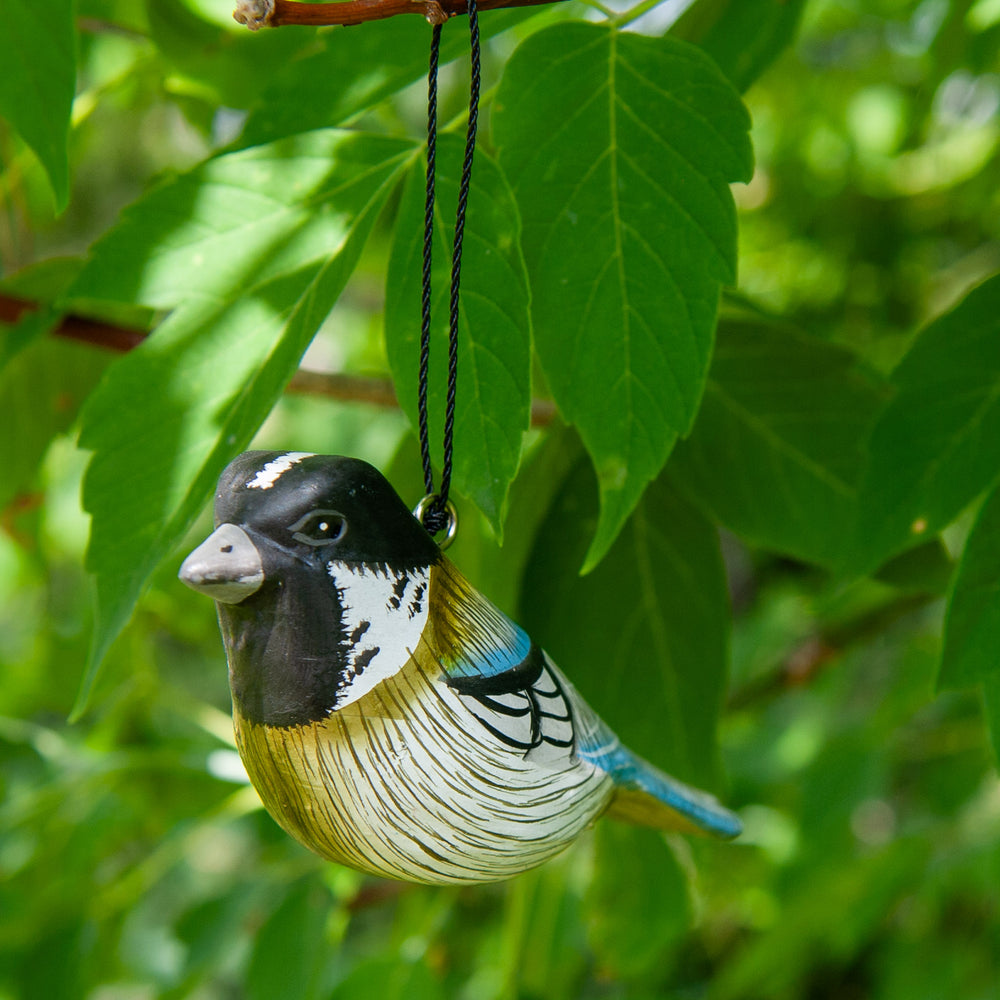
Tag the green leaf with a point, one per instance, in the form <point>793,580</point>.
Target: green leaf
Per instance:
<point>388,978</point>
<point>41,391</point>
<point>776,453</point>
<point>38,56</point>
<point>743,36</point>
<point>924,569</point>
<point>936,446</point>
<point>352,69</point>
<point>539,479</point>
<point>222,64</point>
<point>38,284</point>
<point>43,280</point>
<point>495,569</point>
<point>289,951</point>
<point>991,709</point>
<point>540,944</point>
<point>30,328</point>
<point>239,220</point>
<point>638,903</point>
<point>493,407</point>
<point>241,241</point>
<point>645,636</point>
<point>620,149</point>
<point>970,652</point>
<point>829,912</point>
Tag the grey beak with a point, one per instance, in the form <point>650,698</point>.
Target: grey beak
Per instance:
<point>226,566</point>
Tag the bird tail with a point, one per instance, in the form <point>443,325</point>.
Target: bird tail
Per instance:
<point>643,794</point>
<point>647,796</point>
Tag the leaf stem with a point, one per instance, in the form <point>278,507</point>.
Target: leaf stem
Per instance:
<point>634,13</point>
<point>598,6</point>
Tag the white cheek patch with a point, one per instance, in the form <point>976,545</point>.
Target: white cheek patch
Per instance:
<point>384,613</point>
<point>274,469</point>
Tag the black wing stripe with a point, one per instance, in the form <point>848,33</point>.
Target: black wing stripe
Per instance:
<point>524,681</point>
<point>503,709</point>
<point>513,681</point>
<point>552,741</point>
<point>506,737</point>
<point>559,718</point>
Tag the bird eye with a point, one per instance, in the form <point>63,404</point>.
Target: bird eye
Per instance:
<point>319,527</point>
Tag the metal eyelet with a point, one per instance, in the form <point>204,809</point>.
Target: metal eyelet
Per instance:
<point>451,530</point>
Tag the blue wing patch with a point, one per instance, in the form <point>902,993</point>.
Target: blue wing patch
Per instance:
<point>503,679</point>
<point>485,654</point>
<point>525,707</point>
<point>635,777</point>
<point>491,644</point>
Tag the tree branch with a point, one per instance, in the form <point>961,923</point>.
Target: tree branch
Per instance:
<point>372,389</point>
<point>818,651</point>
<point>81,328</point>
<point>257,14</point>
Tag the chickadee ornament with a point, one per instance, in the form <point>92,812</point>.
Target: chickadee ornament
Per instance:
<point>391,718</point>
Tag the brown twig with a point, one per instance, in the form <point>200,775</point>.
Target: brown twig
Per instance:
<point>372,389</point>
<point>257,14</point>
<point>88,331</point>
<point>817,652</point>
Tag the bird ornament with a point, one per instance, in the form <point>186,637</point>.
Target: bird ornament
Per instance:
<point>391,718</point>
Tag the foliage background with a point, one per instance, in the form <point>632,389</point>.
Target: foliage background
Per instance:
<point>846,443</point>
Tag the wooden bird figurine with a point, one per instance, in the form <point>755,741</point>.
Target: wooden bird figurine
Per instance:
<point>391,718</point>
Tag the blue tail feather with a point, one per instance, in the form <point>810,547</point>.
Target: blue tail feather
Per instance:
<point>633,774</point>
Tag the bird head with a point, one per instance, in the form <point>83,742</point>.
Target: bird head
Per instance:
<point>319,571</point>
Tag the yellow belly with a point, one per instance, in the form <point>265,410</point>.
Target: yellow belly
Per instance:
<point>408,784</point>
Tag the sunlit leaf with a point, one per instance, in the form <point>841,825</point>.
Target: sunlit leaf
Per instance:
<point>225,65</point>
<point>620,149</point>
<point>354,68</point>
<point>38,56</point>
<point>241,242</point>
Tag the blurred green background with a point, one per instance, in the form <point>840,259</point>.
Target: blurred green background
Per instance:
<point>136,863</point>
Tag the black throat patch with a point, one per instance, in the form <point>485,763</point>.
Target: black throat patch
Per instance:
<point>287,652</point>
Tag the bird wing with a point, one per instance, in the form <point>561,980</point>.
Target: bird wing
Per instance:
<point>525,706</point>
<point>523,699</point>
<point>500,675</point>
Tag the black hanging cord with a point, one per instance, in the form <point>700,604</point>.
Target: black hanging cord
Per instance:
<point>425,297</point>
<point>434,509</point>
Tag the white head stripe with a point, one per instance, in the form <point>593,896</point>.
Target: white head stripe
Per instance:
<point>274,469</point>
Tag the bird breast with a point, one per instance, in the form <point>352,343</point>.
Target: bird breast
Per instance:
<point>407,783</point>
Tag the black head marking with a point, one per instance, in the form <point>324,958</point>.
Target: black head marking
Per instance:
<point>291,648</point>
<point>326,506</point>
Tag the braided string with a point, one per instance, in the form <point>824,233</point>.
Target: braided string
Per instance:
<point>425,297</point>
<point>436,517</point>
